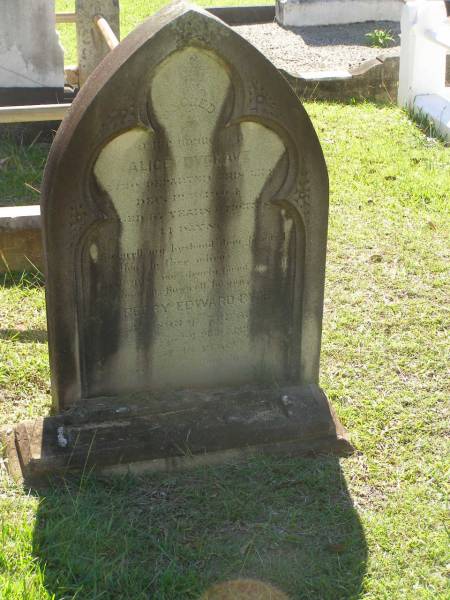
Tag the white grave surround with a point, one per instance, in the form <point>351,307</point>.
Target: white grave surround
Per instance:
<point>425,42</point>
<point>30,53</point>
<point>305,13</point>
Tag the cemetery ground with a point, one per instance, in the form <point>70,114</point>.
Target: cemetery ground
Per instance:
<point>370,526</point>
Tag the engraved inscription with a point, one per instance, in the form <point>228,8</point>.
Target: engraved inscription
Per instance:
<point>196,246</point>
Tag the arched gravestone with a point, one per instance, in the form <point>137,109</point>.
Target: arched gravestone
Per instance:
<point>185,220</point>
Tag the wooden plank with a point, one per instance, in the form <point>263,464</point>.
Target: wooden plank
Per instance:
<point>105,29</point>
<point>36,112</point>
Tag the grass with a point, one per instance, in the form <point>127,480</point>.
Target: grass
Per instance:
<point>381,38</point>
<point>372,527</point>
<point>21,168</point>
<point>427,125</point>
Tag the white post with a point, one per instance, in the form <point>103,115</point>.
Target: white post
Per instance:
<point>422,60</point>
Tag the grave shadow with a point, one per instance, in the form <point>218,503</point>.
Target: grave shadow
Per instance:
<point>24,335</point>
<point>25,279</point>
<point>285,521</point>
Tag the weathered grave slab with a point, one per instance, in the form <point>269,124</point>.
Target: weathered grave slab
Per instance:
<point>92,47</point>
<point>185,212</point>
<point>31,58</point>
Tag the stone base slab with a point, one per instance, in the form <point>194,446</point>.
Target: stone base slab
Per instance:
<point>175,430</point>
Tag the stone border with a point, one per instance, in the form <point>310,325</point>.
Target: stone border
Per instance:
<point>307,13</point>
<point>374,79</point>
<point>20,238</point>
<point>69,442</point>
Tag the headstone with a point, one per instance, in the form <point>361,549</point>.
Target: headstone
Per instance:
<point>185,212</point>
<point>31,58</point>
<point>91,45</point>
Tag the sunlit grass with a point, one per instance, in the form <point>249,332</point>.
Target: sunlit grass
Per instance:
<point>292,522</point>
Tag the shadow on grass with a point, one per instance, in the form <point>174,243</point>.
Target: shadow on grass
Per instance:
<point>25,336</point>
<point>23,279</point>
<point>290,522</point>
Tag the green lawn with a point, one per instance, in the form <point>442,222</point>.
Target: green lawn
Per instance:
<point>21,169</point>
<point>371,527</point>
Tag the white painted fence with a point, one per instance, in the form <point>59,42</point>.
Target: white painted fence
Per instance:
<point>425,42</point>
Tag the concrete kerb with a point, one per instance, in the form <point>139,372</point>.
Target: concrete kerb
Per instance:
<point>20,238</point>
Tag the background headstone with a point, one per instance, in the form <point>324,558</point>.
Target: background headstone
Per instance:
<point>31,58</point>
<point>91,45</point>
<point>185,211</point>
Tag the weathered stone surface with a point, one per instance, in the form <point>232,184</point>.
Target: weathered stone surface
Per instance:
<point>30,53</point>
<point>188,191</point>
<point>91,45</point>
<point>181,429</point>
<point>185,218</point>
